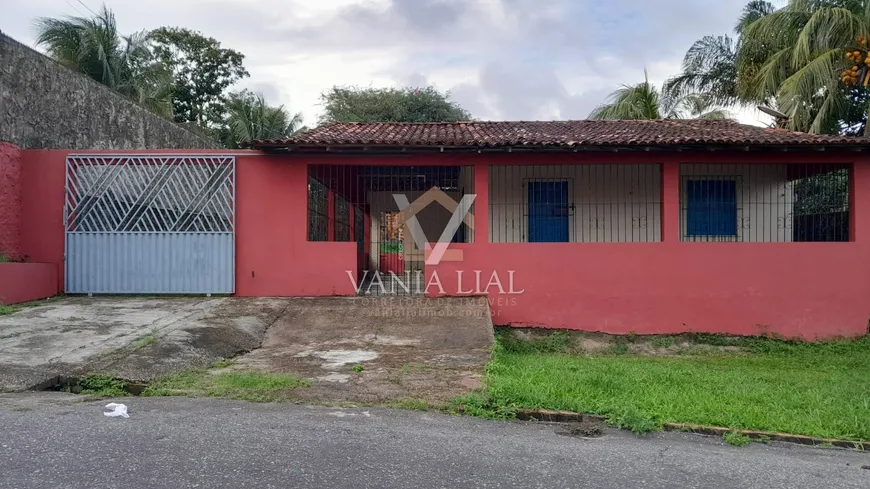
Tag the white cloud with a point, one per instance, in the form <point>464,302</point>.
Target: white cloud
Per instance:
<point>515,59</point>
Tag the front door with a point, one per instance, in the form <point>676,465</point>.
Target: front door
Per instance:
<point>548,212</point>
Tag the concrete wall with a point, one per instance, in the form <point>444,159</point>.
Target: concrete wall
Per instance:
<point>24,282</point>
<point>812,290</point>
<point>611,203</point>
<point>45,105</point>
<point>10,201</point>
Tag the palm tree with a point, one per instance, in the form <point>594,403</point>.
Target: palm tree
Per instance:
<point>93,46</point>
<point>807,41</point>
<point>645,101</point>
<point>711,64</point>
<point>249,117</point>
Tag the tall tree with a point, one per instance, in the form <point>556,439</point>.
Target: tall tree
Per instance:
<point>713,64</point>
<point>645,101</point>
<point>249,117</point>
<point>202,72</point>
<point>808,42</point>
<point>93,46</point>
<point>354,104</point>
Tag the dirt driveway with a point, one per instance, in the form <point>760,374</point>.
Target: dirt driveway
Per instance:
<point>377,350</point>
<point>351,349</point>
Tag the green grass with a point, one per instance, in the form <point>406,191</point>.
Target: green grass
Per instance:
<point>736,438</point>
<point>817,389</point>
<point>249,386</point>
<point>103,386</point>
<point>5,310</point>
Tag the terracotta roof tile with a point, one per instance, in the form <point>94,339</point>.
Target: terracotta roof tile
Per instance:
<point>549,134</point>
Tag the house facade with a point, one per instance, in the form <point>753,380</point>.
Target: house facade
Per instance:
<point>652,227</point>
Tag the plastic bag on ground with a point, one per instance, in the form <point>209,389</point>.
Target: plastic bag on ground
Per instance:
<point>118,410</point>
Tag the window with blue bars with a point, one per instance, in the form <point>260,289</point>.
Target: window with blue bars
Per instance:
<point>711,208</point>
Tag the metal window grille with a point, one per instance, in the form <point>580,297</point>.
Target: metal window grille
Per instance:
<point>764,202</point>
<point>575,203</point>
<point>431,192</point>
<point>318,219</point>
<point>342,219</point>
<point>149,194</point>
<point>359,220</point>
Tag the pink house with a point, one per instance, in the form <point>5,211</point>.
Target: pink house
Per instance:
<point>650,227</point>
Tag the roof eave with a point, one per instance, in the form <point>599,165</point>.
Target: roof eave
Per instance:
<point>368,149</point>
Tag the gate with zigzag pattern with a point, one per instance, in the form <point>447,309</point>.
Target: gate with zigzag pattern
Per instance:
<point>150,224</point>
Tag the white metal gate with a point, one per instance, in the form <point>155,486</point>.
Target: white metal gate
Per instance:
<point>150,224</point>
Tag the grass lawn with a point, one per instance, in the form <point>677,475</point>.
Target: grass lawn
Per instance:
<point>818,389</point>
<point>228,384</point>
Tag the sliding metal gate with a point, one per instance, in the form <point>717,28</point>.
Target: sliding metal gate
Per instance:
<point>150,224</point>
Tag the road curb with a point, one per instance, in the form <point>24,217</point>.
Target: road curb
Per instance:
<point>573,417</point>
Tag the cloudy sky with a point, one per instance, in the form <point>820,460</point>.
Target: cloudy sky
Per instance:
<point>501,59</point>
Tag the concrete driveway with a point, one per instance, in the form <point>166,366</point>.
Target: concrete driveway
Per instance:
<point>351,349</point>
<point>135,338</point>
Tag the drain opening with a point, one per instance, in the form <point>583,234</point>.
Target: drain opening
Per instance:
<point>94,385</point>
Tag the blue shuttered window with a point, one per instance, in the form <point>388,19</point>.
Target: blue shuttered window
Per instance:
<point>711,208</point>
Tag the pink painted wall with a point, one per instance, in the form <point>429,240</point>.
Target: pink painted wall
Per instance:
<point>10,201</point>
<point>810,290</point>
<point>23,282</point>
<point>794,289</point>
<point>273,254</point>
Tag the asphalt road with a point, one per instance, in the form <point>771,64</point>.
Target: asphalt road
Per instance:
<point>213,443</point>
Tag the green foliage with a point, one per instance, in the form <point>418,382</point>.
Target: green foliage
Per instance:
<point>243,385</point>
<point>93,47</point>
<point>103,386</point>
<point>482,406</point>
<point>555,342</point>
<point>355,104</point>
<point>662,341</point>
<point>644,101</point>
<point>8,309</point>
<point>249,118</point>
<point>358,368</point>
<point>767,384</point>
<point>616,349</point>
<point>202,72</point>
<point>736,438</point>
<point>631,418</point>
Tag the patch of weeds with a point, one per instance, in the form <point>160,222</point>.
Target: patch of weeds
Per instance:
<point>415,367</point>
<point>5,309</point>
<point>482,407</point>
<point>358,368</point>
<point>103,386</point>
<point>631,336</point>
<point>146,340</point>
<point>413,404</point>
<point>826,444</point>
<point>632,418</point>
<point>662,341</point>
<point>555,342</point>
<point>616,349</point>
<point>249,386</point>
<point>736,438</point>
<point>764,439</point>
<point>227,362</point>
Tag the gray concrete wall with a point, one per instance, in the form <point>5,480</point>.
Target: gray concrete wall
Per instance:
<point>44,105</point>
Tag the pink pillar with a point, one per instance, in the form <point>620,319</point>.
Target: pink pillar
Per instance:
<point>330,215</point>
<point>670,202</point>
<point>10,201</point>
<point>481,203</point>
<point>859,196</point>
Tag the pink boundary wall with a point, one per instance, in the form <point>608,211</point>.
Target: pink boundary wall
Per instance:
<point>23,282</point>
<point>10,201</point>
<point>812,290</point>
